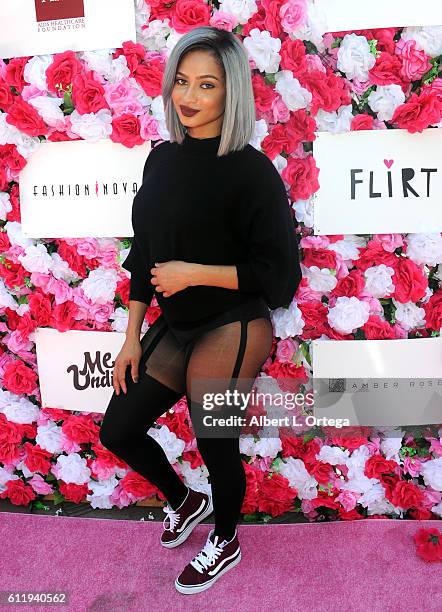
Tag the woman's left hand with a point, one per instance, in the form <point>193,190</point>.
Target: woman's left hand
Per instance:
<point>172,276</point>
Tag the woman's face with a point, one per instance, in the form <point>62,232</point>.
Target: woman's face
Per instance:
<point>196,90</point>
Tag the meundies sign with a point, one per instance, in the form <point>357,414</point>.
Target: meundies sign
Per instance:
<point>378,181</point>
<point>75,368</point>
<point>344,15</point>
<point>74,189</point>
<point>52,26</point>
<point>379,382</point>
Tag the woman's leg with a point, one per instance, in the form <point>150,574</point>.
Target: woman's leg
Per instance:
<point>225,357</point>
<point>160,385</point>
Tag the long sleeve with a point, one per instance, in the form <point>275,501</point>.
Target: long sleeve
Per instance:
<point>265,224</point>
<point>141,289</point>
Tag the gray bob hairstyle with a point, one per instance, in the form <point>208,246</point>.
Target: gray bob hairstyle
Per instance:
<point>239,112</point>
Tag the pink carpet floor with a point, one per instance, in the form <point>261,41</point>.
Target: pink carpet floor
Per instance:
<point>119,566</point>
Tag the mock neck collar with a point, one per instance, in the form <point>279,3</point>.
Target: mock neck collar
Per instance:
<point>204,146</point>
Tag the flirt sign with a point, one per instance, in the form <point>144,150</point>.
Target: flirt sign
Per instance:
<point>345,15</point>
<point>378,182</point>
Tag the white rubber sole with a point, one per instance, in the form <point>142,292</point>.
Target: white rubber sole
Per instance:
<point>189,590</point>
<point>186,533</point>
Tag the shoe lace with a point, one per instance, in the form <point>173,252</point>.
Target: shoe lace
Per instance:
<point>207,556</point>
<point>172,516</point>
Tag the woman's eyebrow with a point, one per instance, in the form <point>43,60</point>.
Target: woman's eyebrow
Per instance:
<point>203,76</point>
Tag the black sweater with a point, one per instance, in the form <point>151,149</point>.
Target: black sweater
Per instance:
<point>231,210</point>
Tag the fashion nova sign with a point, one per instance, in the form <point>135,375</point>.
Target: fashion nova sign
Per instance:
<point>375,181</point>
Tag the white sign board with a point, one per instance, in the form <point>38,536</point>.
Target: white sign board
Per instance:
<point>379,382</point>
<point>36,27</point>
<point>378,181</point>
<point>345,15</point>
<point>75,368</point>
<point>74,189</point>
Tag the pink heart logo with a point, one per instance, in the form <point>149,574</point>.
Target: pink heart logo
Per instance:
<point>388,162</point>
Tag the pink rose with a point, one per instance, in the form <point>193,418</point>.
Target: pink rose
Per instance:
<point>415,62</point>
<point>293,14</point>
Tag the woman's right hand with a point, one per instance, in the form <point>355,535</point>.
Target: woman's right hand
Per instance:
<point>129,355</point>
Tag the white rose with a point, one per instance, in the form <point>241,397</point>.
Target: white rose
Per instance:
<point>287,322</point>
<point>34,71</point>
<point>72,469</point>
<point>428,38</point>
<point>409,315</point>
<point>91,126</point>
<point>385,100</point>
<point>425,248</point>
<point>378,281</point>
<point>50,111</point>
<point>333,455</point>
<point>355,58</point>
<point>172,446</point>
<point>5,205</point>
<point>263,49</point>
<point>292,93</point>
<point>100,285</point>
<point>322,280</point>
<point>242,10</point>
<point>295,472</point>
<point>49,437</point>
<point>348,314</point>
<point>335,122</point>
<point>36,259</point>
<point>348,247</point>
<point>21,411</point>
<point>432,473</point>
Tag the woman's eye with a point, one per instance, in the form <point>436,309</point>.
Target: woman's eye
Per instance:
<point>210,84</point>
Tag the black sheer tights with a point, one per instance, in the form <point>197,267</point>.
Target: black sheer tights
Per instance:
<point>234,350</point>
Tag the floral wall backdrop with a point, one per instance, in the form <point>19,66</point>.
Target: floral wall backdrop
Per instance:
<point>304,80</point>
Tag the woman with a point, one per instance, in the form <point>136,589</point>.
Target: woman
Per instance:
<point>214,239</point>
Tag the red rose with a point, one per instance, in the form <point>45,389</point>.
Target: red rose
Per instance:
<point>73,492</point>
<point>62,71</point>
<point>405,495</point>
<point>136,485</point>
<point>126,129</point>
<point>322,258</point>
<point>189,14</point>
<point>134,54</point>
<point>254,478</point>
<point>64,316</point>
<point>275,495</point>
<point>433,311</point>
<point>319,470</point>
<point>10,438</point>
<point>264,94</point>
<point>18,492</point>
<point>429,544</point>
<point>409,281</point>
<point>349,515</point>
<point>88,94</point>
<point>80,429</point>
<point>364,121</point>
<point>40,308</point>
<point>387,70</point>
<point>378,329</point>
<point>14,74</point>
<point>329,91</point>
<point>376,465</point>
<point>37,459</point>
<point>18,378</point>
<point>349,286</point>
<point>374,254</point>
<point>302,176</point>
<point>419,112</point>
<point>6,97</point>
<point>194,458</point>
<point>314,315</point>
<point>150,76</point>
<point>293,56</point>
<point>24,117</point>
<point>178,423</point>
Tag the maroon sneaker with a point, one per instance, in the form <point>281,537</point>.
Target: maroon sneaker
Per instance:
<point>178,524</point>
<point>214,560</point>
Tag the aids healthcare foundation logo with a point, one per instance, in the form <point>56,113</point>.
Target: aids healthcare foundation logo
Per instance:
<point>59,14</point>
